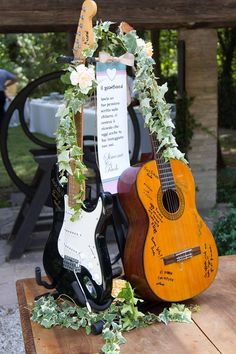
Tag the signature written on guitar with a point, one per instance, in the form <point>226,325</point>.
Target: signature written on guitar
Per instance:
<point>208,261</point>
<point>150,173</point>
<point>155,217</point>
<point>164,277</point>
<point>155,248</point>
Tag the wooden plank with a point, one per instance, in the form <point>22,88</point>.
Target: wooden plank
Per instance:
<point>217,316</point>
<point>175,338</point>
<point>25,318</point>
<point>45,15</point>
<point>49,341</point>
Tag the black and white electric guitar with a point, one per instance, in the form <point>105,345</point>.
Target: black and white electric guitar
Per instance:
<point>75,257</point>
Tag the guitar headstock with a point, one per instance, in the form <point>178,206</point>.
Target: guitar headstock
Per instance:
<point>84,36</point>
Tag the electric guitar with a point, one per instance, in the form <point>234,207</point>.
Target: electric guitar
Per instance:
<point>75,257</point>
<point>170,254</point>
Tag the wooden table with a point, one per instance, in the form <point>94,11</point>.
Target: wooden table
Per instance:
<point>213,330</point>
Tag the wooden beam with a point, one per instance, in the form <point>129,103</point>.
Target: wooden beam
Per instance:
<point>62,15</point>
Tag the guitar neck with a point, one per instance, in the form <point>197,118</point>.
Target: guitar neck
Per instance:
<point>163,167</point>
<point>73,187</point>
<point>84,39</point>
<point>79,126</point>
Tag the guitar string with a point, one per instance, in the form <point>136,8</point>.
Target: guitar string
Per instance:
<point>162,173</point>
<point>171,198</point>
<point>164,183</point>
<point>177,232</point>
<point>170,181</point>
<point>171,203</point>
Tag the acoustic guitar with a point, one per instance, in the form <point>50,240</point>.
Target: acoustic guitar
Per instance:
<point>75,257</point>
<point>170,253</point>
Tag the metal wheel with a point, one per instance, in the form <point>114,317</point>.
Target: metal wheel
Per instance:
<point>18,104</point>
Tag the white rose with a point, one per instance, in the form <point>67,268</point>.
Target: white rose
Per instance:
<point>140,42</point>
<point>75,74</point>
<point>83,77</point>
<point>149,49</point>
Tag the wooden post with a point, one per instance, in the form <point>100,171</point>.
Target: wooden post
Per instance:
<point>201,84</point>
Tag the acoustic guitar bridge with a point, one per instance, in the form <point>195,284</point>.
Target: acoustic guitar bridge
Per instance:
<point>182,255</point>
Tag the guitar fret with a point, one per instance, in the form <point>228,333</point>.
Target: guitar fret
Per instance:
<point>170,184</point>
<point>165,168</point>
<point>166,188</point>
<point>164,177</point>
<point>165,173</point>
<point>163,163</point>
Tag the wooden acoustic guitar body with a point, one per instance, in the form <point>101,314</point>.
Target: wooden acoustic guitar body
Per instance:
<point>170,253</point>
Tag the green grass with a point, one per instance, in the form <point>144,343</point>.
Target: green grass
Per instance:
<point>21,159</point>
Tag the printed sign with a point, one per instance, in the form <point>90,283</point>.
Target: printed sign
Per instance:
<point>112,126</point>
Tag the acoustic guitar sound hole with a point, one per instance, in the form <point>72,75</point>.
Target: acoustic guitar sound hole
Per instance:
<point>170,201</point>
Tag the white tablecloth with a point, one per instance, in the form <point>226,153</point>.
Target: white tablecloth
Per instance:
<point>15,121</point>
<point>44,121</point>
<point>43,118</point>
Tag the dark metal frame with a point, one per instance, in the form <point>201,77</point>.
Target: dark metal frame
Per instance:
<point>37,193</point>
<point>18,104</point>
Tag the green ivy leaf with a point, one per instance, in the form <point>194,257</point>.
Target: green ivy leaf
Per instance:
<point>176,313</point>
<point>119,317</point>
<point>131,41</point>
<point>65,78</point>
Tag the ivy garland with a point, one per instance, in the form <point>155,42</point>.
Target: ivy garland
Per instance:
<point>82,84</point>
<point>122,316</point>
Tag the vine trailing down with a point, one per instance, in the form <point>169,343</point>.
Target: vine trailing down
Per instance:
<point>122,316</point>
<point>82,84</point>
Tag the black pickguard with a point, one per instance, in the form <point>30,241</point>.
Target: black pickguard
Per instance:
<point>64,280</point>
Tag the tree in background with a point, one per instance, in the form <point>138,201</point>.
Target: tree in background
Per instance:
<point>30,56</point>
<point>165,55</point>
<point>227,77</point>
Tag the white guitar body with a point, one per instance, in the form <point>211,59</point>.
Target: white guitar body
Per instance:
<point>77,238</point>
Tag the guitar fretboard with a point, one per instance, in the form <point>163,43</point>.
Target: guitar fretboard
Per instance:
<point>73,186</point>
<point>84,39</point>
<point>163,167</point>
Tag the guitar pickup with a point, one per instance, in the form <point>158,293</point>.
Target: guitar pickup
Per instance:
<point>182,255</point>
<point>71,263</point>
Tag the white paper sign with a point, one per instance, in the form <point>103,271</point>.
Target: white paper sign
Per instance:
<point>112,126</point>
